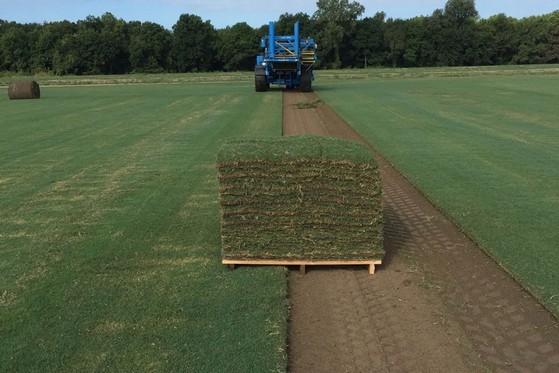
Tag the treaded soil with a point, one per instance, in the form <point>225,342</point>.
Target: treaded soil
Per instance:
<point>438,303</point>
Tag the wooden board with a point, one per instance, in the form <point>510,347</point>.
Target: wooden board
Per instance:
<point>371,263</point>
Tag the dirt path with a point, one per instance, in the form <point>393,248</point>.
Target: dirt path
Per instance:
<point>436,304</point>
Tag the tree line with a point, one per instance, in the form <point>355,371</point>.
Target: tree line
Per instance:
<point>453,36</point>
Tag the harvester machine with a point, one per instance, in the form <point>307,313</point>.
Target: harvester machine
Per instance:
<point>286,61</point>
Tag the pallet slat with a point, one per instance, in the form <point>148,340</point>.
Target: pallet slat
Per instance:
<point>371,263</point>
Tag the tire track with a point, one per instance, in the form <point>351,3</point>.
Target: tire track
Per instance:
<point>437,304</point>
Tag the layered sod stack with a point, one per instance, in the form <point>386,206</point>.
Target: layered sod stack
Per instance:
<point>304,198</point>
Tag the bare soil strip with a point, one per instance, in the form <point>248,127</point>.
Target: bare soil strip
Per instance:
<point>436,304</point>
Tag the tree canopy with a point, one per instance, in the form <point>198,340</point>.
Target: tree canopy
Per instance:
<point>193,46</point>
<point>452,36</point>
<point>336,21</point>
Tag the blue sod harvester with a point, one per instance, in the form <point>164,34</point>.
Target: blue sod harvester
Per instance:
<point>287,61</point>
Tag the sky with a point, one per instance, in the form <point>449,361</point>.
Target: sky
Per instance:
<point>223,13</point>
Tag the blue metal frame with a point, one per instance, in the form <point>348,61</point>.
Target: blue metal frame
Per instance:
<point>282,57</point>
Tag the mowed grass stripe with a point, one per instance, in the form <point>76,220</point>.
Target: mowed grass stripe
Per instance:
<point>485,149</point>
<point>110,244</point>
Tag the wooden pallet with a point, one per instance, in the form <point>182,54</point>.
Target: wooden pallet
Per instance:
<point>302,264</point>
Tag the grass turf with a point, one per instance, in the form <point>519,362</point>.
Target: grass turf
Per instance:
<point>110,244</point>
<point>484,147</point>
<point>299,198</point>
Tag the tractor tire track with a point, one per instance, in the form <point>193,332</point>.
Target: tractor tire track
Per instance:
<point>436,304</point>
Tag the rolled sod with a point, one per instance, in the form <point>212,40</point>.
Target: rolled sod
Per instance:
<point>300,198</point>
<point>24,90</point>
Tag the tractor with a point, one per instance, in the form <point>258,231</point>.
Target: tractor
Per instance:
<point>286,61</point>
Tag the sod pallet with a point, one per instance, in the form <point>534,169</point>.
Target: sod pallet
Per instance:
<point>24,90</point>
<point>303,200</point>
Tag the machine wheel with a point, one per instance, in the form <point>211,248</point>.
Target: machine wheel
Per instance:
<point>261,83</point>
<point>306,81</point>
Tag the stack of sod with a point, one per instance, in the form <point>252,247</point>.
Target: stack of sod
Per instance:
<point>24,90</point>
<point>304,198</point>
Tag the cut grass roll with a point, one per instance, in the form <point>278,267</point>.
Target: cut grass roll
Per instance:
<point>305,198</point>
<point>28,89</point>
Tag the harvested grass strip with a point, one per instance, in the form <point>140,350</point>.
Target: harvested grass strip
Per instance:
<point>299,198</point>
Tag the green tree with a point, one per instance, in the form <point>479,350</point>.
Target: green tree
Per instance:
<point>500,43</point>
<point>237,47</point>
<point>99,46</point>
<point>532,39</point>
<point>459,33</point>
<point>336,20</point>
<point>284,25</point>
<point>3,27</point>
<point>112,47</point>
<point>434,40</point>
<point>193,45</point>
<point>368,42</point>
<point>395,38</point>
<point>79,52</point>
<point>461,13</point>
<point>47,47</point>
<point>416,46</point>
<point>552,39</point>
<point>16,44</point>
<point>150,45</point>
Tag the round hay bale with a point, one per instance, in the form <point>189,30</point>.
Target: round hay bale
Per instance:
<point>24,90</point>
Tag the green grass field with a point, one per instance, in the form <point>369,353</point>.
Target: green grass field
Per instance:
<point>484,147</point>
<point>110,242</point>
<point>109,217</point>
